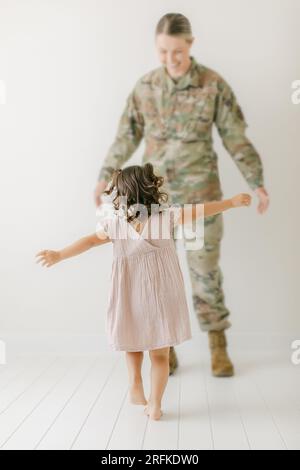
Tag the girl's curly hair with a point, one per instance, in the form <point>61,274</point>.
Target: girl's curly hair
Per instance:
<point>138,185</point>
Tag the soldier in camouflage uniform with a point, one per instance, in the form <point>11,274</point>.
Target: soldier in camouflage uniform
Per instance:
<point>175,117</point>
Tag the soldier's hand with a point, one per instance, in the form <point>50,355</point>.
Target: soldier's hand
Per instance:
<point>241,199</point>
<point>263,200</point>
<point>48,257</point>
<point>100,187</point>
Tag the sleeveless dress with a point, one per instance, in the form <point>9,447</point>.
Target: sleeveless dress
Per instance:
<point>147,306</point>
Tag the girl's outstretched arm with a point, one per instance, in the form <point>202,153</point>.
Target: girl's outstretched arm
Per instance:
<point>50,257</point>
<point>214,207</point>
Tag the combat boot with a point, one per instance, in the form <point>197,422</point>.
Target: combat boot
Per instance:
<point>221,364</point>
<point>173,361</point>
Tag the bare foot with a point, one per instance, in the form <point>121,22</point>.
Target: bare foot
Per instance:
<point>153,411</point>
<point>136,394</point>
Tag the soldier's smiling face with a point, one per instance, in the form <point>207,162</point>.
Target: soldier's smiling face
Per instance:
<point>174,53</point>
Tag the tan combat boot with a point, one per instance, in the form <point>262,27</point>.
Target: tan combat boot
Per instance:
<point>173,361</point>
<point>220,362</point>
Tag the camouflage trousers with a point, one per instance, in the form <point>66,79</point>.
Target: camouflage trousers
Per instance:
<point>207,278</point>
<point>186,186</point>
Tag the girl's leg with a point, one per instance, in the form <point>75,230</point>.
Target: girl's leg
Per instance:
<point>136,389</point>
<point>159,378</point>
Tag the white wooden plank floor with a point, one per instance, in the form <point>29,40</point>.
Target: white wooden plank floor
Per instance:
<point>81,402</point>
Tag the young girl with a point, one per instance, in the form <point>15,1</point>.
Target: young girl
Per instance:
<point>147,305</point>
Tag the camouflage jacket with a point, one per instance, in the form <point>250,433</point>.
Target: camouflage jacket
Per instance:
<point>176,119</point>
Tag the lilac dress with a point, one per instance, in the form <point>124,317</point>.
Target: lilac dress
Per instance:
<point>147,303</point>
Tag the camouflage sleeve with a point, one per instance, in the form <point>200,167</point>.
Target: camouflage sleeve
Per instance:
<point>231,125</point>
<point>129,134</point>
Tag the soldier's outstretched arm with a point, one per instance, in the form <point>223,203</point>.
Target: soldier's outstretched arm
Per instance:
<point>129,134</point>
<point>231,125</point>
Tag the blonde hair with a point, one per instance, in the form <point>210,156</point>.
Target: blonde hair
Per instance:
<point>175,24</point>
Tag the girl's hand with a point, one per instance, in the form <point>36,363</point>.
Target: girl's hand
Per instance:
<point>48,257</point>
<point>242,199</point>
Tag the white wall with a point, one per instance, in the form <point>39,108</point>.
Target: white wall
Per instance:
<point>68,67</point>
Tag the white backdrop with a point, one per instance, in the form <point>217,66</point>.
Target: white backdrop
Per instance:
<point>68,67</point>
